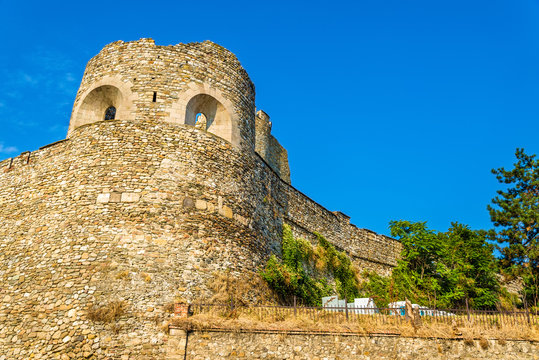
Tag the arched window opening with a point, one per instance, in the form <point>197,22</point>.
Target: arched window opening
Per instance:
<point>110,113</point>
<point>102,103</point>
<point>207,113</point>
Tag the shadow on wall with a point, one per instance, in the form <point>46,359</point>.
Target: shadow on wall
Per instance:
<point>96,105</point>
<point>218,120</point>
<point>108,99</point>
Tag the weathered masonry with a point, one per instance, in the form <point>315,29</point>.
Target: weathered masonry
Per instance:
<point>245,344</point>
<point>167,174</point>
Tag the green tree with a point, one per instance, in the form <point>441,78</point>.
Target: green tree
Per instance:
<point>415,276</point>
<point>439,269</point>
<point>467,269</point>
<point>516,215</point>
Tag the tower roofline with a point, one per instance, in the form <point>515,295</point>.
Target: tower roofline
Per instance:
<point>228,55</point>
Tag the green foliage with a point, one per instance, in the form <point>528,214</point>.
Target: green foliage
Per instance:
<point>295,251</point>
<point>438,269</point>
<point>379,288</point>
<point>416,270</point>
<point>530,280</point>
<point>516,214</point>
<point>310,272</point>
<point>340,266</point>
<point>467,268</point>
<point>287,281</point>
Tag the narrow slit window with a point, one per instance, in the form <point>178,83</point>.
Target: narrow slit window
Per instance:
<point>154,96</point>
<point>110,113</point>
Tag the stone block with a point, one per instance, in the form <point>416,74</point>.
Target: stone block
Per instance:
<point>115,197</point>
<point>130,197</point>
<point>201,205</point>
<point>160,242</point>
<point>227,212</point>
<point>240,219</point>
<point>176,332</point>
<point>103,198</point>
<point>188,203</point>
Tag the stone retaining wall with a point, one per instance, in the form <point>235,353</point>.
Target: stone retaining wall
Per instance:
<point>199,345</point>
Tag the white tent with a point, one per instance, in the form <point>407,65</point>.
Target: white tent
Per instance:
<point>399,306</point>
<point>333,302</point>
<point>364,306</point>
<point>359,306</point>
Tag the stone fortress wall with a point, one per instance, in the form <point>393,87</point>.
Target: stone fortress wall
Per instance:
<point>147,206</point>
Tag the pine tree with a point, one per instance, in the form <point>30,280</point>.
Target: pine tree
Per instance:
<point>516,214</point>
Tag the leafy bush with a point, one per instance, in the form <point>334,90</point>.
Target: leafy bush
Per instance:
<point>439,269</point>
<point>378,287</point>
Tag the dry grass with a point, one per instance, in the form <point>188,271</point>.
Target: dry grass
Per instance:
<point>107,313</point>
<point>122,275</point>
<point>250,289</point>
<point>116,328</point>
<point>323,321</point>
<point>439,348</point>
<point>146,277</point>
<point>169,308</point>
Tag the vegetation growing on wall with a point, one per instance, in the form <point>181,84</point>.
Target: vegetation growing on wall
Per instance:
<point>110,312</point>
<point>437,269</point>
<point>310,272</point>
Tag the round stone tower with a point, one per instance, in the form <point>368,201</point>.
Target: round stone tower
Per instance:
<point>168,136</point>
<point>139,81</point>
<point>155,190</point>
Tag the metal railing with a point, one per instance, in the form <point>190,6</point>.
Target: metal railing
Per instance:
<point>373,316</point>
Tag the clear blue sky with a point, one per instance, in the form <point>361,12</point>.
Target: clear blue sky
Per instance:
<point>389,109</point>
